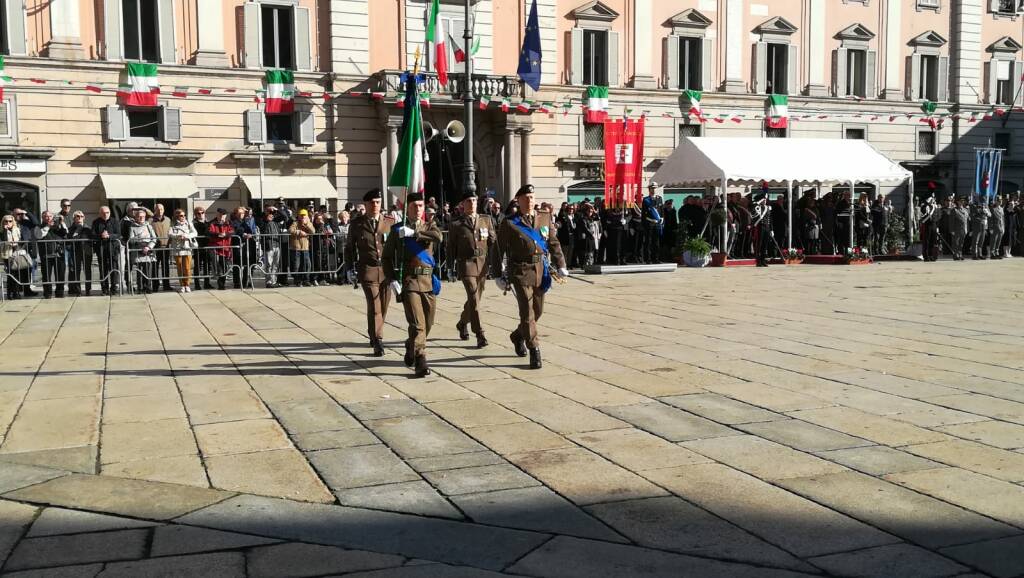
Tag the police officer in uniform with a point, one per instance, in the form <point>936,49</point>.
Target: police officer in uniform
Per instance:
<point>364,247</point>
<point>530,245</point>
<point>469,237</point>
<point>409,260</point>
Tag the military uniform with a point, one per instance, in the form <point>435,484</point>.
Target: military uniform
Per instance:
<point>469,238</point>
<point>979,226</point>
<point>996,229</point>
<point>959,218</point>
<point>417,280</point>
<point>526,268</point>
<point>364,247</point>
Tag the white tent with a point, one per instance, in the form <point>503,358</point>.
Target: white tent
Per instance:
<point>710,161</point>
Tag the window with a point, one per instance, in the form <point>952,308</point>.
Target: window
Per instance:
<point>690,63</point>
<point>928,68</point>
<point>593,137</point>
<point>298,128</point>
<point>776,62</point>
<point>928,85</point>
<point>157,124</point>
<point>777,70</point>
<point>595,57</point>
<point>929,5</point>
<point>1004,92</point>
<point>775,132</point>
<point>1005,6</point>
<point>1001,140</point>
<point>854,134</point>
<point>454,27</point>
<point>277,31</point>
<point>4,42</point>
<point>926,143</point>
<point>140,24</point>
<point>144,123</point>
<point>280,128</point>
<point>856,73</point>
<point>5,120</point>
<point>689,130</point>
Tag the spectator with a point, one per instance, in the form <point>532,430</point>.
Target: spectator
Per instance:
<point>568,233</point>
<point>862,221</point>
<point>80,248</point>
<point>590,226</point>
<point>300,232</point>
<point>671,231</point>
<point>220,232</point>
<point>321,247</point>
<point>811,227</point>
<point>341,240</point>
<point>106,237</point>
<point>270,240</point>
<point>285,217</point>
<point>162,267</point>
<point>50,246</point>
<point>141,259</point>
<point>27,224</point>
<point>202,259</point>
<point>181,239</point>
<point>15,257</point>
<point>243,250</point>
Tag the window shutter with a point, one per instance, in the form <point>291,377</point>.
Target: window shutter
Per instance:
<point>793,71</point>
<point>1015,74</point>
<point>167,38</point>
<point>993,5</point>
<point>913,77</point>
<point>576,70</point>
<point>5,125</point>
<point>613,58</point>
<point>255,127</point>
<point>251,25</point>
<point>116,122</point>
<point>170,124</point>
<point>706,63</point>
<point>841,81</point>
<point>671,52</point>
<point>943,80</point>
<point>303,61</point>
<point>993,80</point>
<point>14,18</point>
<point>761,67</point>
<point>305,127</point>
<point>114,49</point>
<point>870,83</point>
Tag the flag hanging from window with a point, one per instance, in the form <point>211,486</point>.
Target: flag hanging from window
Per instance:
<point>142,88</point>
<point>778,111</point>
<point>596,104</point>
<point>408,174</point>
<point>693,96</point>
<point>530,55</point>
<point>437,37</point>
<point>280,92</point>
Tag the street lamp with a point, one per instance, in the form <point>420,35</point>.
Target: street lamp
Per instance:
<point>468,101</point>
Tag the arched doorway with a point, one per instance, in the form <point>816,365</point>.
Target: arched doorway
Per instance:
<point>18,195</point>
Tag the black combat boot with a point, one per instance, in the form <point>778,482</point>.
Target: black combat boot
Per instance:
<point>410,358</point>
<point>378,348</point>
<point>421,366</point>
<point>463,331</point>
<point>481,341</point>
<point>519,345</point>
<point>535,358</point>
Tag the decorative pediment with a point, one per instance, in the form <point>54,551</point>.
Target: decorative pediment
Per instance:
<point>594,11</point>
<point>1004,45</point>
<point>855,32</point>
<point>930,38</point>
<point>690,19</point>
<point>777,25</point>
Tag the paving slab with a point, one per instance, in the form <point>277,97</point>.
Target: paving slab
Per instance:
<point>769,397</point>
<point>328,440</point>
<point>991,497</point>
<point>165,438</point>
<point>75,571</point>
<point>302,416</point>
<point>14,476</point>
<point>455,461</point>
<point>221,406</point>
<point>999,558</point>
<point>668,422</point>
<point>976,457</point>
<point>77,549</point>
<point>762,458</point>
<point>993,407</point>
<point>278,473</point>
<point>54,424</point>
<point>518,438</point>
<point>870,427</point>
<point>421,436</point>
<point>802,435</point>
<point>356,467</point>
<point>468,413</point>
<point>81,459</point>
<point>998,434</point>
<point>57,521</point>
<point>588,390</point>
<point>408,497</point>
<point>565,416</point>
<point>901,560</point>
<point>185,470</point>
<point>143,408</point>
<point>220,565</point>
<point>16,518</point>
<point>720,408</point>
<point>385,409</point>
<point>237,437</point>
<point>878,460</point>
<point>584,477</point>
<point>479,479</point>
<point>637,450</point>
<point>312,560</point>
<point>172,540</point>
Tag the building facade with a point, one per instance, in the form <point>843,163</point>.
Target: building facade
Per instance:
<point>851,68</point>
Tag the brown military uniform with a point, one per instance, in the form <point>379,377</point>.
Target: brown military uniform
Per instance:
<point>526,270</point>
<point>365,248</point>
<point>469,238</point>
<point>417,282</point>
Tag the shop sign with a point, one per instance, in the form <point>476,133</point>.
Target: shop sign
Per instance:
<point>22,165</point>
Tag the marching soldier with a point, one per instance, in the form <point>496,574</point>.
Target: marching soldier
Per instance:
<point>365,247</point>
<point>470,236</point>
<point>410,265</point>
<point>959,219</point>
<point>530,244</point>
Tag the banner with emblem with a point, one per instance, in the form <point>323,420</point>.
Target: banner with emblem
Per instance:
<point>623,161</point>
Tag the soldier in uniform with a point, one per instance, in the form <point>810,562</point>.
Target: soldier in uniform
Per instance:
<point>413,271</point>
<point>470,236</point>
<point>996,229</point>
<point>530,244</point>
<point>979,226</point>
<point>958,220</point>
<point>364,247</point>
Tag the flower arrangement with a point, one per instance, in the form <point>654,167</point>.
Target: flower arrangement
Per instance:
<point>793,256</point>
<point>857,255</point>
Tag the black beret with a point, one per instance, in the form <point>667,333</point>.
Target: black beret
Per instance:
<point>524,190</point>
<point>467,195</point>
<point>371,195</point>
<point>413,197</point>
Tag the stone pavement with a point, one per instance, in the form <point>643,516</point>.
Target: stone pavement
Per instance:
<point>860,421</point>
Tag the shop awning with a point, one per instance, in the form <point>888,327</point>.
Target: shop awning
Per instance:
<point>699,161</point>
<point>291,187</point>
<point>148,186</point>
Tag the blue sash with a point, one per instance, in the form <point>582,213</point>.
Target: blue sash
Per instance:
<point>412,246</point>
<point>536,237</point>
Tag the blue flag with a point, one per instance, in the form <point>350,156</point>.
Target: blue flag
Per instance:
<point>530,56</point>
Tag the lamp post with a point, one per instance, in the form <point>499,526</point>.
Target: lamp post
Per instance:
<point>468,101</point>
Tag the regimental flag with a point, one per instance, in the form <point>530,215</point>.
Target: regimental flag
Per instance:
<point>530,55</point>
<point>437,37</point>
<point>485,101</point>
<point>280,91</point>
<point>778,111</point>
<point>596,104</point>
<point>693,96</point>
<point>142,88</point>
<point>408,175</point>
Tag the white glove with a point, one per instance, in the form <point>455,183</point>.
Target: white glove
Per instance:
<point>351,277</point>
<point>406,232</point>
<point>563,273</point>
<point>396,287</point>
<point>502,283</point>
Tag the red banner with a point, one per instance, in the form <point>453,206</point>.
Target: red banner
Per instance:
<point>623,162</point>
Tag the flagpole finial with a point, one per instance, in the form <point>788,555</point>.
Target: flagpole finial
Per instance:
<point>416,63</point>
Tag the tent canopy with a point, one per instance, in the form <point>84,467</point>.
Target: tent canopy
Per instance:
<point>702,161</point>
<point>148,186</point>
<point>290,187</point>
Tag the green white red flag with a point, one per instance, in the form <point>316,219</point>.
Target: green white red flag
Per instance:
<point>408,174</point>
<point>596,104</point>
<point>280,91</point>
<point>778,111</point>
<point>142,88</point>
<point>437,38</point>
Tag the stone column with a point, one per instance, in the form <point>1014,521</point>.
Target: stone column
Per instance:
<point>524,157</point>
<point>507,166</point>
<point>816,82</point>
<point>735,41</point>
<point>643,34</point>
<point>392,129</point>
<point>211,37</point>
<point>893,50</point>
<point>65,32</point>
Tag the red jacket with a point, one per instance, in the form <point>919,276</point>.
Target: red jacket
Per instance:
<point>222,245</point>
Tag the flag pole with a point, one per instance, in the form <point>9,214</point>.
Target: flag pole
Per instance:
<point>468,102</point>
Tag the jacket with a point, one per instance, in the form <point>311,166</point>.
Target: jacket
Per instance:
<point>49,241</point>
<point>402,265</point>
<point>182,238</point>
<point>365,247</point>
<point>111,227</point>
<point>222,244</point>
<point>525,258</point>
<point>141,238</point>
<point>469,238</point>
<point>9,241</point>
<point>299,235</point>
<point>161,228</point>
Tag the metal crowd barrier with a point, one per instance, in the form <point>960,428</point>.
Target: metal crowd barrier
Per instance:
<point>62,266</point>
<point>275,263</point>
<point>149,269</point>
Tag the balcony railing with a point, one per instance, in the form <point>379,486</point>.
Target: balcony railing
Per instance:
<point>389,81</point>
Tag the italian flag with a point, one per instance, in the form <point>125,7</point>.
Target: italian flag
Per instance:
<point>408,175</point>
<point>545,108</point>
<point>437,37</point>
<point>596,104</point>
<point>4,79</point>
<point>280,92</point>
<point>693,96</point>
<point>778,111</point>
<point>524,106</point>
<point>505,105</point>
<point>142,88</point>
<point>485,101</point>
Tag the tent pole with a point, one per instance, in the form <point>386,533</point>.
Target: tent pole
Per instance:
<point>910,212</point>
<point>789,211</point>
<point>725,225</point>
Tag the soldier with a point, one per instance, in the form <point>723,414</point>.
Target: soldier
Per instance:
<point>996,229</point>
<point>469,238</point>
<point>365,247</point>
<point>413,272</point>
<point>530,244</point>
<point>930,230</point>
<point>979,225</point>
<point>958,220</point>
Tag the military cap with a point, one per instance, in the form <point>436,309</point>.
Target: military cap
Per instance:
<point>371,195</point>
<point>413,197</point>
<point>524,190</point>
<point>467,195</point>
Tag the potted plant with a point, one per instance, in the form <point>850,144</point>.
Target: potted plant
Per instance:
<point>793,256</point>
<point>857,256</point>
<point>718,220</point>
<point>696,252</point>
<point>895,235</point>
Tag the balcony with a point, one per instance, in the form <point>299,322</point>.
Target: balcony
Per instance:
<point>389,81</point>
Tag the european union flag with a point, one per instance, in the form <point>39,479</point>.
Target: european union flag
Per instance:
<point>530,55</point>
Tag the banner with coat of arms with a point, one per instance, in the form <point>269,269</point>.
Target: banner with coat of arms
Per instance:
<point>623,161</point>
